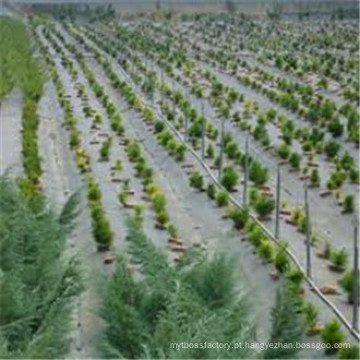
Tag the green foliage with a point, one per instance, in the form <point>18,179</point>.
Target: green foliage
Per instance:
<point>196,180</point>
<point>162,217</point>
<point>74,138</point>
<point>339,258</point>
<point>231,150</point>
<point>349,353</point>
<point>116,124</point>
<point>38,285</point>
<point>159,201</point>
<point>105,149</point>
<point>264,206</point>
<point>349,204</point>
<point>31,158</point>
<point>134,151</point>
<point>101,227</point>
<point>94,192</point>
<point>211,191</point>
<point>230,178</point>
<point>281,261</point>
<point>194,301</point>
<point>210,152</point>
<point>315,178</point>
<point>18,67</point>
<point>336,128</point>
<point>239,217</point>
<point>180,152</point>
<point>295,160</point>
<point>258,173</point>
<point>222,198</point>
<point>173,231</point>
<point>311,312</point>
<point>331,148</point>
<point>265,250</point>
<point>332,335</point>
<point>284,151</point>
<point>288,323</point>
<point>118,166</point>
<point>159,126</point>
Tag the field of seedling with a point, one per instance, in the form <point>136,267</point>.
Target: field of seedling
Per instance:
<point>177,177</point>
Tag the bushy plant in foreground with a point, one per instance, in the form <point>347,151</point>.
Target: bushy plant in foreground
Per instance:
<point>195,300</point>
<point>332,335</point>
<point>288,323</point>
<point>38,284</point>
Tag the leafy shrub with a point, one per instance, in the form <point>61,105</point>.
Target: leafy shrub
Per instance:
<point>210,152</point>
<point>230,178</point>
<point>118,165</point>
<point>255,236</point>
<point>354,175</point>
<point>288,323</point>
<point>231,150</point>
<point>134,151</point>
<point>284,151</point>
<point>331,149</point>
<point>349,353</point>
<point>172,146</point>
<point>327,250</point>
<point>295,276</point>
<point>101,227</point>
<point>105,149</point>
<point>116,123</point>
<point>295,160</point>
<point>281,261</point>
<point>332,335</point>
<point>123,197</point>
<point>94,192</point>
<point>311,314</point>
<point>349,204</point>
<point>271,114</point>
<point>31,158</point>
<point>239,217</point>
<point>162,217</point>
<point>211,191</point>
<point>196,180</point>
<point>336,128</point>
<point>336,179</point>
<point>339,258</point>
<point>140,166</point>
<point>180,152</point>
<point>205,294</point>
<point>264,206</point>
<point>222,198</point>
<point>258,174</point>
<point>173,231</point>
<point>74,139</point>
<point>159,126</point>
<point>265,250</point>
<point>98,119</point>
<point>315,178</point>
<point>159,201</point>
